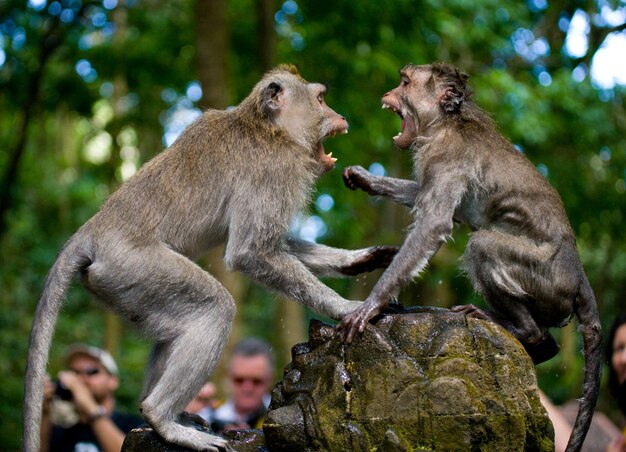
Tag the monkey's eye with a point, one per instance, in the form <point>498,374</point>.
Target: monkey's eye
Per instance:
<point>320,98</point>
<point>404,82</point>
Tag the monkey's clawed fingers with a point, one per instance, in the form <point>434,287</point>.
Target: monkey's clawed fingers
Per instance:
<point>378,257</point>
<point>356,321</point>
<point>347,180</point>
<point>383,255</point>
<point>357,177</point>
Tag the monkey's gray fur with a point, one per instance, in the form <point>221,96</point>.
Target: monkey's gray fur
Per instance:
<point>522,253</point>
<point>237,177</point>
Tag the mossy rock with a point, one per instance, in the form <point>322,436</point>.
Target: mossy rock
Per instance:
<point>425,379</point>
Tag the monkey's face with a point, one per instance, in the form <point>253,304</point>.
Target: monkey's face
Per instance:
<point>330,123</point>
<point>299,108</point>
<point>414,101</point>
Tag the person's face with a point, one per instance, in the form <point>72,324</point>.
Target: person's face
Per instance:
<point>250,379</point>
<point>618,360</point>
<point>204,398</point>
<point>94,376</point>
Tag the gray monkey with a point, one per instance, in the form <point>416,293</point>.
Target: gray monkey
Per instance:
<point>521,256</point>
<point>236,177</point>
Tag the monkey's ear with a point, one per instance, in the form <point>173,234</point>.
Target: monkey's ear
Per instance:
<point>451,99</point>
<point>455,89</point>
<point>273,97</point>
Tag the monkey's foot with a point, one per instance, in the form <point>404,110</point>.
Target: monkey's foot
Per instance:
<point>544,350</point>
<point>470,310</point>
<point>192,420</point>
<point>190,437</point>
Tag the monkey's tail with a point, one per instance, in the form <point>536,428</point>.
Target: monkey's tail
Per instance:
<point>71,260</point>
<point>586,310</point>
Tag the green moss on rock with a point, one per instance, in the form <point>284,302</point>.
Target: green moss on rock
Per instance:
<point>427,379</point>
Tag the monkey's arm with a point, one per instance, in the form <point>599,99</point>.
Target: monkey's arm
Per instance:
<point>257,248</point>
<point>285,273</point>
<point>435,207</point>
<point>401,191</point>
<point>336,262</point>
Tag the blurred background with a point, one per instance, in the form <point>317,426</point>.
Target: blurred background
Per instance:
<point>90,90</point>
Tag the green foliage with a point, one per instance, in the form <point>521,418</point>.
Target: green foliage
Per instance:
<point>144,57</point>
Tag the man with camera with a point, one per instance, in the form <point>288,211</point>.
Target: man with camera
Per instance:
<point>79,408</point>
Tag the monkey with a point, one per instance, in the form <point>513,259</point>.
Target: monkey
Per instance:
<point>521,255</point>
<point>236,177</point>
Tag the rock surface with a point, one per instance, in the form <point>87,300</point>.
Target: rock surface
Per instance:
<point>427,379</point>
<point>424,379</point>
<point>144,439</point>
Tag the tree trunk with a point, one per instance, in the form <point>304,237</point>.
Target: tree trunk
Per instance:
<point>211,50</point>
<point>265,32</point>
<point>212,44</point>
<point>293,329</point>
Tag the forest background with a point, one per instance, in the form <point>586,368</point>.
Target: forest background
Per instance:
<point>90,90</point>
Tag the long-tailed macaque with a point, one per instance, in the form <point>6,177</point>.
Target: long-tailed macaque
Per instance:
<point>236,177</point>
<point>521,256</point>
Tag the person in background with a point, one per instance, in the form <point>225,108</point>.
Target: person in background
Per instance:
<point>204,403</point>
<point>616,358</point>
<point>79,409</point>
<point>250,377</point>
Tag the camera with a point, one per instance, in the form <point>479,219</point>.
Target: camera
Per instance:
<point>62,392</point>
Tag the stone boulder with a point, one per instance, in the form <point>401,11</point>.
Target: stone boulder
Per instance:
<point>424,379</point>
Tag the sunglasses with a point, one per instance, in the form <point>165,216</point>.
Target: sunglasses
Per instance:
<point>90,371</point>
<point>256,381</point>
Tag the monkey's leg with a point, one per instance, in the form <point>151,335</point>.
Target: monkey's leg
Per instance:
<point>508,272</point>
<point>156,365</point>
<point>190,362</point>
<point>398,190</point>
<point>189,315</point>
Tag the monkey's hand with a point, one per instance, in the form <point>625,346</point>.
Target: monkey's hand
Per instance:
<point>358,177</point>
<point>378,257</point>
<point>356,321</point>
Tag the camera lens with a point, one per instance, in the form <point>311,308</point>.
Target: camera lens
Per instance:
<point>62,392</point>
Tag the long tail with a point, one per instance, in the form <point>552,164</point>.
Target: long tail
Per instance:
<point>587,312</point>
<point>72,258</point>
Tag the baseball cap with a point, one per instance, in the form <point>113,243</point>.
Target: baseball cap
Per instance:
<point>102,356</point>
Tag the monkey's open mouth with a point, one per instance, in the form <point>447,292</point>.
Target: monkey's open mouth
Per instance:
<point>405,138</point>
<point>327,159</point>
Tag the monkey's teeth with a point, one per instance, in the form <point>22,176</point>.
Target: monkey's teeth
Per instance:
<point>344,131</point>
<point>329,155</point>
<point>333,159</point>
<point>385,106</point>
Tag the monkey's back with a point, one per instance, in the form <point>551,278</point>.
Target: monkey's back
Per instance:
<point>183,196</point>
<point>504,187</point>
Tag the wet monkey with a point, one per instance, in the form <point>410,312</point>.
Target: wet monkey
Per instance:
<point>236,177</point>
<point>521,256</point>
